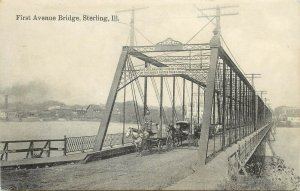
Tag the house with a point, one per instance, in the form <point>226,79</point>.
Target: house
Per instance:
<point>293,116</point>
<point>93,112</point>
<point>80,113</point>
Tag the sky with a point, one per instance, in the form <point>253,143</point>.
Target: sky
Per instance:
<point>75,62</point>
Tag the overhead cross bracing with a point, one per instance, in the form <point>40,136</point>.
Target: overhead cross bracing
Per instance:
<point>172,58</point>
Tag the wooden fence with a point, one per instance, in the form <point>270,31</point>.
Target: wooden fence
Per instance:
<point>43,148</point>
<point>35,148</point>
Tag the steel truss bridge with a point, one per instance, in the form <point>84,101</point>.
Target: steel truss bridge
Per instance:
<point>203,85</point>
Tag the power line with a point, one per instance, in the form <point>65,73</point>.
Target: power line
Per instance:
<point>200,30</point>
<point>232,55</point>
<point>132,29</point>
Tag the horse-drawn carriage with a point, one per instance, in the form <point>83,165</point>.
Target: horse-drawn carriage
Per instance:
<point>183,131</point>
<point>147,139</point>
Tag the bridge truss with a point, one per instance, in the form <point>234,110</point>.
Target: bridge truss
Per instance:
<point>228,111</point>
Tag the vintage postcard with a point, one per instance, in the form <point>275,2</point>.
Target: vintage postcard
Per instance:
<point>149,95</point>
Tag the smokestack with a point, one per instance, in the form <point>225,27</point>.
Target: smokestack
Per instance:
<point>6,107</point>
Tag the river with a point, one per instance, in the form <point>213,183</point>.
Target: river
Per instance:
<point>287,146</point>
<point>10,131</point>
<point>53,129</point>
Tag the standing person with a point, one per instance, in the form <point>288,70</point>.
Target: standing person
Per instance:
<point>148,128</point>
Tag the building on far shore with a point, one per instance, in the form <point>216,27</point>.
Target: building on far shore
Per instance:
<point>293,116</point>
<point>93,112</point>
<point>287,116</point>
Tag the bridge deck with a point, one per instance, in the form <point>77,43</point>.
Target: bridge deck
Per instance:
<point>152,171</point>
<point>33,162</point>
<point>75,157</point>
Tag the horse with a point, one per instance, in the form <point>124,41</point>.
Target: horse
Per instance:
<point>138,138</point>
<point>177,135</point>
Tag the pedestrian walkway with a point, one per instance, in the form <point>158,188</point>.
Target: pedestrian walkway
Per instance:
<point>209,176</point>
<point>49,161</point>
<point>76,157</point>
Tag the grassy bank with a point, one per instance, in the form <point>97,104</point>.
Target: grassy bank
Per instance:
<point>274,175</point>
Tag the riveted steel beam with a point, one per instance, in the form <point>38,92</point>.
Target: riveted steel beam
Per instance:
<point>110,102</point>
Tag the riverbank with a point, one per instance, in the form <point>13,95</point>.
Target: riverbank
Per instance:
<point>275,175</point>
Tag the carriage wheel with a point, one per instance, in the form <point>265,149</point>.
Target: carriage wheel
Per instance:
<point>196,140</point>
<point>176,141</point>
<point>149,145</point>
<point>191,140</point>
<point>169,143</point>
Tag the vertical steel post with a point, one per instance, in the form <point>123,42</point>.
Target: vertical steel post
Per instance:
<point>183,99</point>
<point>224,107</point>
<point>230,106</point>
<point>250,120</point>
<point>246,108</point>
<point>145,93</point>
<point>240,108</point>
<point>219,108</point>
<point>264,120</point>
<point>173,102</point>
<point>253,111</point>
<point>235,108</point>
<point>250,111</point>
<point>214,109</point>
<point>256,111</point>
<point>198,106</point>
<point>192,89</point>
<point>161,106</point>
<point>214,120</point>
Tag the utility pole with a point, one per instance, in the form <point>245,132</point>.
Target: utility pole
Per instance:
<point>217,15</point>
<point>261,93</point>
<point>252,76</point>
<point>132,32</point>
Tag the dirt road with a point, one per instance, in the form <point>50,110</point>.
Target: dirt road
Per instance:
<point>153,171</point>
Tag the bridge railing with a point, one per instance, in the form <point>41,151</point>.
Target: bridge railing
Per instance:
<point>67,145</point>
<point>86,143</point>
<point>246,148</point>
